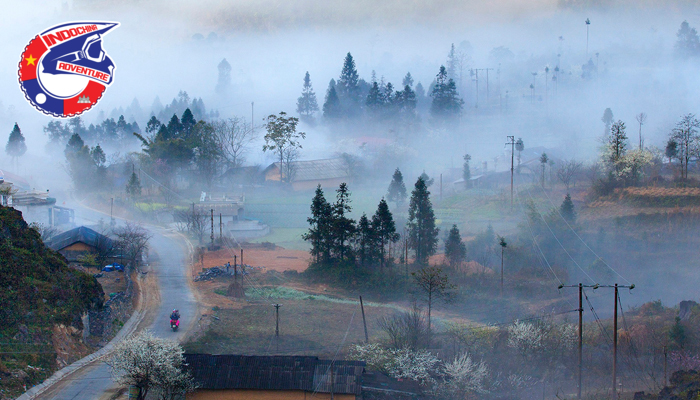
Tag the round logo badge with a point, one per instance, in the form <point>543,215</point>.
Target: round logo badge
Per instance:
<point>64,70</point>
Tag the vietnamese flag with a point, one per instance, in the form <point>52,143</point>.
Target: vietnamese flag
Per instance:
<point>30,59</point>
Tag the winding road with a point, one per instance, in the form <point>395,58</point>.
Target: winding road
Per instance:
<point>169,266</point>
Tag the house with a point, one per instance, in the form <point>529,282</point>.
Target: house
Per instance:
<point>237,377</point>
<point>306,175</point>
<point>81,241</point>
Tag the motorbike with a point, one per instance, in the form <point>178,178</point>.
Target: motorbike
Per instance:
<point>174,324</point>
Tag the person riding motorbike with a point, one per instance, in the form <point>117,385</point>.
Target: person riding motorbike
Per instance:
<point>175,317</point>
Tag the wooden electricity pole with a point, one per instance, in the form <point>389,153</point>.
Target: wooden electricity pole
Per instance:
<point>364,321</point>
<point>221,229</point>
<point>512,157</point>
<point>614,372</point>
<point>580,340</point>
<point>212,226</point>
<point>235,268</point>
<point>277,319</point>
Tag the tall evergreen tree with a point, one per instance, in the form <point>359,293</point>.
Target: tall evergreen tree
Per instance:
<point>152,127</point>
<point>16,147</point>
<point>331,107</point>
<point>567,210</point>
<point>188,122</point>
<point>366,241</point>
<point>348,83</point>
<point>343,227</point>
<point>455,249</point>
<point>407,80</point>
<point>374,100</point>
<point>397,188</point>
<point>98,156</point>
<point>466,172</point>
<point>423,234</point>
<point>617,142</point>
<point>133,187</point>
<point>385,229</point>
<point>519,147</point>
<point>223,83</point>
<point>306,103</point>
<point>319,232</point>
<point>607,119</point>
<point>446,102</point>
<point>452,61</point>
<point>688,43</point>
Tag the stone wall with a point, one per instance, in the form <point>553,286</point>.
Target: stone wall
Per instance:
<point>103,324</point>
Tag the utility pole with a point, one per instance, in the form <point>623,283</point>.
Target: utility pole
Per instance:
<point>221,229</point>
<point>235,268</point>
<point>241,258</point>
<point>277,319</point>
<point>580,330</point>
<point>475,72</point>
<point>614,373</point>
<point>580,340</point>
<point>487,83</point>
<point>212,226</point>
<point>512,157</point>
<point>503,244</point>
<point>588,23</point>
<point>364,321</point>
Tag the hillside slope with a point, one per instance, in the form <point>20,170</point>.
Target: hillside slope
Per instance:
<point>41,297</point>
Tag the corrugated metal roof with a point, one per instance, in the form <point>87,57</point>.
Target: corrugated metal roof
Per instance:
<point>310,374</point>
<point>80,234</point>
<point>313,170</point>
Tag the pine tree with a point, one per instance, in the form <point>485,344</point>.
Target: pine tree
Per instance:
<point>455,249</point>
<point>423,234</point>
<point>188,122</point>
<point>466,172</point>
<point>366,241</point>
<point>407,80</point>
<point>688,43</point>
<point>16,146</point>
<point>98,156</point>
<point>567,210</point>
<point>374,99</point>
<point>617,142</point>
<point>343,227</point>
<point>306,103</point>
<point>223,83</point>
<point>543,162</point>
<point>319,233</point>
<point>519,147</point>
<point>331,107</point>
<point>607,119</point>
<point>397,189</point>
<point>446,102</point>
<point>133,187</point>
<point>452,62</point>
<point>385,229</point>
<point>348,84</point>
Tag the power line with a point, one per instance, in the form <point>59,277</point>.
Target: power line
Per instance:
<point>579,237</point>
<point>556,238</point>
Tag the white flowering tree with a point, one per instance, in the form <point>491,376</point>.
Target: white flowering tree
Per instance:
<point>418,365</point>
<point>151,364</point>
<point>463,377</point>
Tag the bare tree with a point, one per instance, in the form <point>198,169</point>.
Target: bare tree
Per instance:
<point>47,232</point>
<point>233,136</point>
<point>568,172</point>
<point>194,220</point>
<point>642,119</point>
<point>151,363</point>
<point>132,241</point>
<point>406,329</point>
<point>434,285</point>
<point>685,134</point>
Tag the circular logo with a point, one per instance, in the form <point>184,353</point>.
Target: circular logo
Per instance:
<point>64,70</point>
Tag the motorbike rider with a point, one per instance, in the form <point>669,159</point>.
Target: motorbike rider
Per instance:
<point>175,316</point>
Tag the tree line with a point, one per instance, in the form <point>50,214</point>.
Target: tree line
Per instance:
<point>338,241</point>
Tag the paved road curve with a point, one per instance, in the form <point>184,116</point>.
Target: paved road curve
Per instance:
<point>170,269</point>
